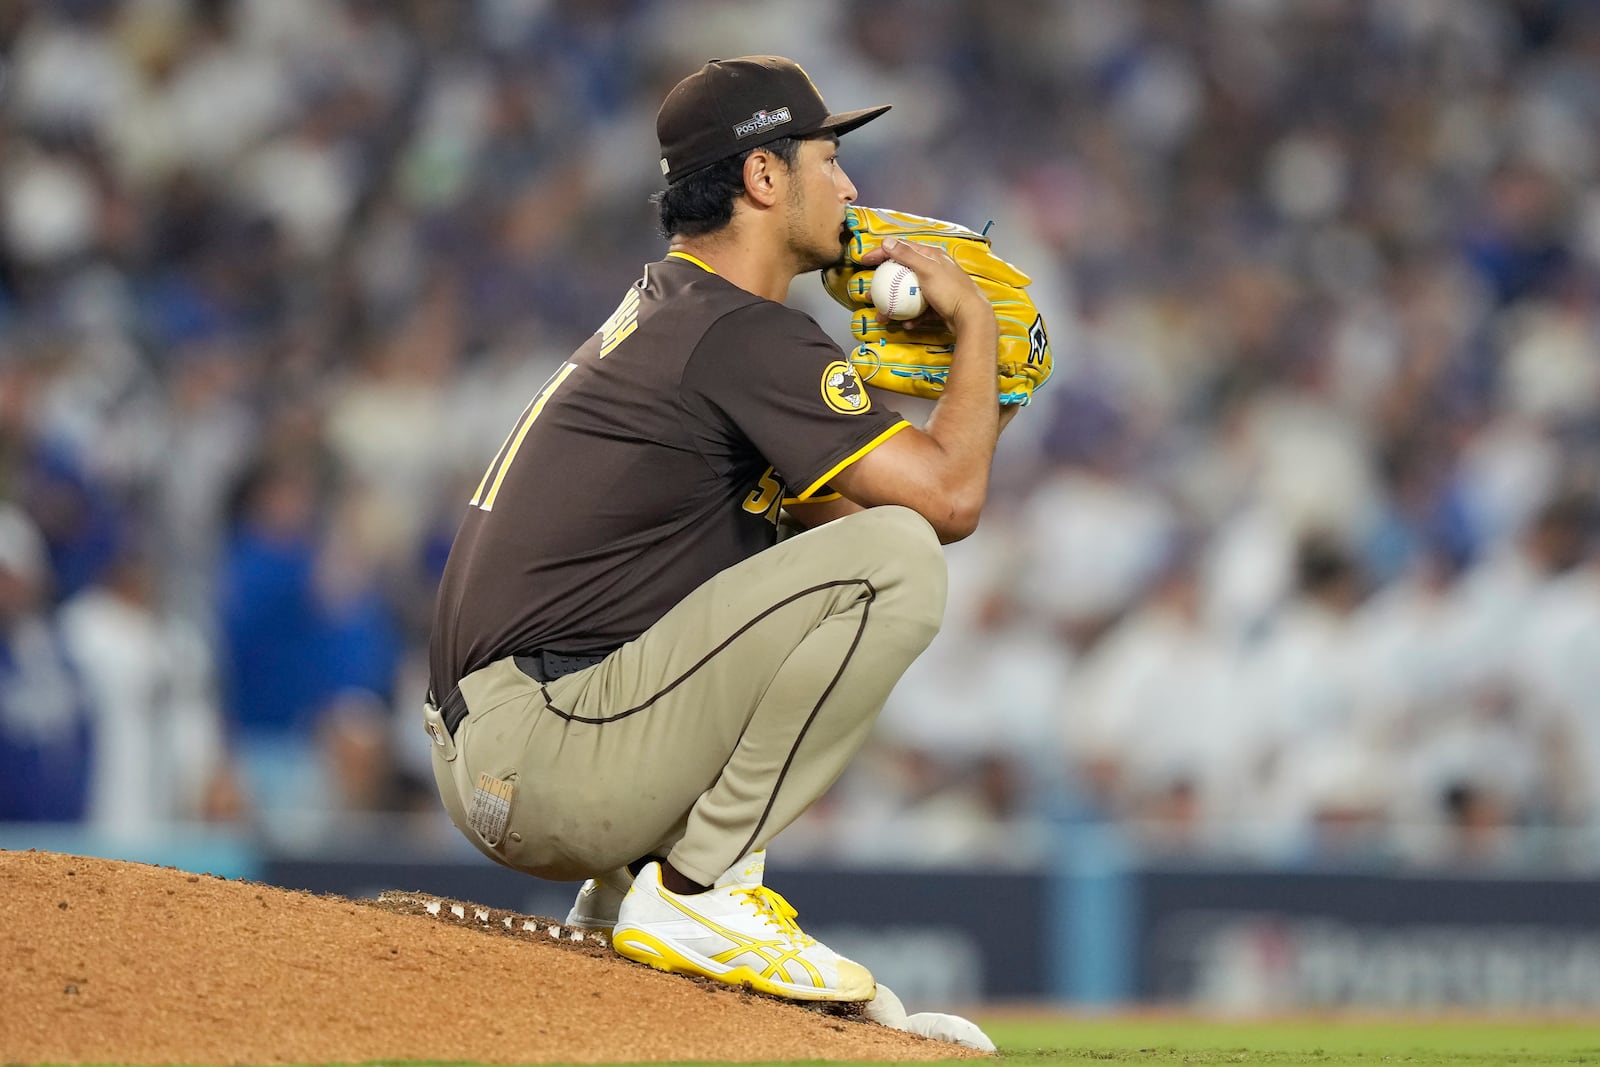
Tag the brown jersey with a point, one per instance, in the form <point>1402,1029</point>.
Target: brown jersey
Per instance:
<point>655,457</point>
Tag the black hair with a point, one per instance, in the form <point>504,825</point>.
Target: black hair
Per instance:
<point>1322,562</point>
<point>702,202</point>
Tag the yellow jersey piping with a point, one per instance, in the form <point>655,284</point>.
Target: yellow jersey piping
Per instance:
<point>851,458</point>
<point>823,499</point>
<point>697,262</point>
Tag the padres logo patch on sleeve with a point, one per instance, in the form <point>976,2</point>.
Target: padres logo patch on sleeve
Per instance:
<point>841,388</point>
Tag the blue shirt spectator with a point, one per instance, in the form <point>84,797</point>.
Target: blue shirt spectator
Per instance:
<point>45,739</point>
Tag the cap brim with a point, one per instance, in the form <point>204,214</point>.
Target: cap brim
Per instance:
<point>846,121</point>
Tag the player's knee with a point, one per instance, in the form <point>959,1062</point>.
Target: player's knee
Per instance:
<point>911,530</point>
<point>914,575</point>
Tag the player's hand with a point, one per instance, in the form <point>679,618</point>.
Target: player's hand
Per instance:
<point>954,300</point>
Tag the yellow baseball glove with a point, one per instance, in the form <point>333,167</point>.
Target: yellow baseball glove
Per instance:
<point>917,362</point>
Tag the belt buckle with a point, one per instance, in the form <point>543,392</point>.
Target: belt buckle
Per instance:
<point>433,722</point>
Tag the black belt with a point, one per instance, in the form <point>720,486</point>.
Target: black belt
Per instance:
<point>541,666</point>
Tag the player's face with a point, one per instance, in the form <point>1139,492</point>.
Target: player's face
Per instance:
<point>818,196</point>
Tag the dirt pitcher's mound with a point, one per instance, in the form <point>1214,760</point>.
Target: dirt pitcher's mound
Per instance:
<point>124,963</point>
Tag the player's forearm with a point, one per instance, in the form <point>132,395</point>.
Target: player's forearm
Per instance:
<point>965,423</point>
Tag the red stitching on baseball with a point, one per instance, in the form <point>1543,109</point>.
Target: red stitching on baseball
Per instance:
<point>894,290</point>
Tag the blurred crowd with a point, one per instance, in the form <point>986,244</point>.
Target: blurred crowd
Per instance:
<point>1295,557</point>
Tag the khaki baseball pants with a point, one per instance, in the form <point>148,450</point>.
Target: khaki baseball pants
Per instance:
<point>706,736</point>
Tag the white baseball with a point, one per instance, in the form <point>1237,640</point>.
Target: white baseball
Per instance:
<point>896,291</point>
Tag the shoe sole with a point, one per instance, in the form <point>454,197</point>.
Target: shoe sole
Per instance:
<point>641,947</point>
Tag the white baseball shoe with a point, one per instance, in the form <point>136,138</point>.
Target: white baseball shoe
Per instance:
<point>596,905</point>
<point>739,932</point>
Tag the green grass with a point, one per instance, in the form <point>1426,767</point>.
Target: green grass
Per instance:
<point>1096,1042</point>
<point>1331,1043</point>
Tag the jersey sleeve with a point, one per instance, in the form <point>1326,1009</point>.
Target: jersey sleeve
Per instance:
<point>771,372</point>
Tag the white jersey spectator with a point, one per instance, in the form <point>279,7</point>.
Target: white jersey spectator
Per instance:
<point>1313,726</point>
<point>161,756</point>
<point>1152,717</point>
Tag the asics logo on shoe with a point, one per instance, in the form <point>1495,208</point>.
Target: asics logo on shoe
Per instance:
<point>775,954</point>
<point>741,934</point>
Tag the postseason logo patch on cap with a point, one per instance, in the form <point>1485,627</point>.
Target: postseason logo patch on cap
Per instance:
<point>761,120</point>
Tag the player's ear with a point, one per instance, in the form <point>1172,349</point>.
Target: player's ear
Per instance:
<point>761,170</point>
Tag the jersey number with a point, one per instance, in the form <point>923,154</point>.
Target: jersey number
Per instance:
<point>766,497</point>
<point>489,487</point>
<point>613,332</point>
<point>622,322</point>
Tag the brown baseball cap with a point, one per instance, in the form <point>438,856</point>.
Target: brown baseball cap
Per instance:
<point>730,106</point>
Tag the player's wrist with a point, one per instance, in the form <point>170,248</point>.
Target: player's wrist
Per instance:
<point>978,335</point>
<point>974,320</point>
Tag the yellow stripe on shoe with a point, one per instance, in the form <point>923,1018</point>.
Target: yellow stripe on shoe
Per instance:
<point>738,932</point>
<point>855,981</point>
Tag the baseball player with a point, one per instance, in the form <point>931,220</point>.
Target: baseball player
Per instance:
<point>633,680</point>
